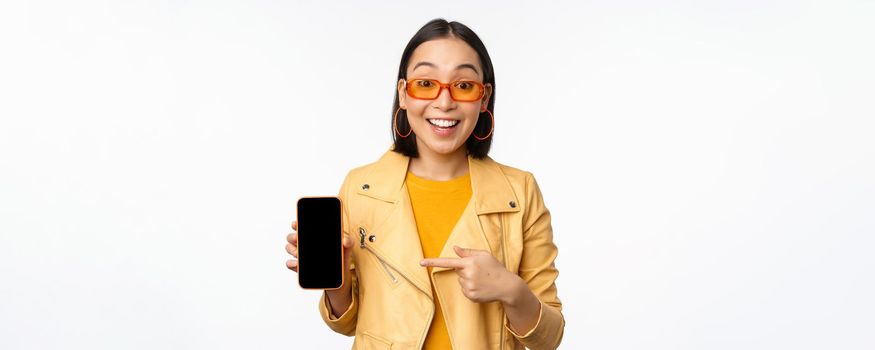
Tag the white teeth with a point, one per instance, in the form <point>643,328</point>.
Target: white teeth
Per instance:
<point>444,123</point>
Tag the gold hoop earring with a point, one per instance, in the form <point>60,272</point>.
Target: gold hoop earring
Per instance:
<point>492,128</point>
<point>395,125</point>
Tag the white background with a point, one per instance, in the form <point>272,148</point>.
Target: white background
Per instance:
<point>709,165</point>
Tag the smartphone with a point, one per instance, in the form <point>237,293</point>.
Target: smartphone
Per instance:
<point>320,244</point>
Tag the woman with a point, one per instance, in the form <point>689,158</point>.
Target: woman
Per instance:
<point>451,249</point>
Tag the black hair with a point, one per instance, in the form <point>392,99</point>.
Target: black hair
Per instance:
<point>437,29</point>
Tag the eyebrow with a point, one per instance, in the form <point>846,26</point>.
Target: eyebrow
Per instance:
<point>461,66</point>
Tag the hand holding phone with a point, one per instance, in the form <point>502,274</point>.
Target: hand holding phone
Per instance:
<point>320,246</point>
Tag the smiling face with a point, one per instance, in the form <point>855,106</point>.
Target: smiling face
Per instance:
<point>443,125</point>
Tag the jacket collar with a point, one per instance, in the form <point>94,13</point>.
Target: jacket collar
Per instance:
<point>490,188</point>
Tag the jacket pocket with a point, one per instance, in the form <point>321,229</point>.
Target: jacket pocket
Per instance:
<point>373,342</point>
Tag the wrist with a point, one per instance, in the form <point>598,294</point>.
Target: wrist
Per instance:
<point>515,292</point>
<point>339,293</point>
<point>344,290</point>
<point>338,301</point>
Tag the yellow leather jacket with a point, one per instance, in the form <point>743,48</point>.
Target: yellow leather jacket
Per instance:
<point>392,302</point>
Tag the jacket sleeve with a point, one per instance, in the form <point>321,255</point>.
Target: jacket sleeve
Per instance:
<point>539,272</point>
<point>346,323</point>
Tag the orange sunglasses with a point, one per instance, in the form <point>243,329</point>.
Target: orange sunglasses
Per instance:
<point>430,89</point>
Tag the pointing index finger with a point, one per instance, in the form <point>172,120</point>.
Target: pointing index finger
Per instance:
<point>452,263</point>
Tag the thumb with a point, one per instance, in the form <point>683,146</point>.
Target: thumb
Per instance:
<point>347,247</point>
<point>466,252</point>
<point>347,242</point>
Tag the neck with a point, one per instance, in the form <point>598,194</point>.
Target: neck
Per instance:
<point>439,167</point>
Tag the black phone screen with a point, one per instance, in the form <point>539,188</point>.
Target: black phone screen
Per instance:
<point>320,249</point>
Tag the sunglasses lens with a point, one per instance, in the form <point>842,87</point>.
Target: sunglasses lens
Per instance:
<point>423,88</point>
<point>466,91</point>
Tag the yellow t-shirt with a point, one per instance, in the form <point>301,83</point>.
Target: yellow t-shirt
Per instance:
<point>437,206</point>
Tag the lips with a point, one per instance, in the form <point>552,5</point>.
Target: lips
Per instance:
<point>443,127</point>
<point>443,123</point>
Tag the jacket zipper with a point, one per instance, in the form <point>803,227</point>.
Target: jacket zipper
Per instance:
<point>386,268</point>
<point>383,263</point>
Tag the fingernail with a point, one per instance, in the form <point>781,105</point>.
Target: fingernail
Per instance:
<point>422,263</point>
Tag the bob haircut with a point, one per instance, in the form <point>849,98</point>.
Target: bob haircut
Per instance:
<point>437,29</point>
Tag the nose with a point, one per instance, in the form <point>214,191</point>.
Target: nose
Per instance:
<point>444,101</point>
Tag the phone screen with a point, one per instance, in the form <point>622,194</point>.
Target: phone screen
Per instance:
<point>320,249</point>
